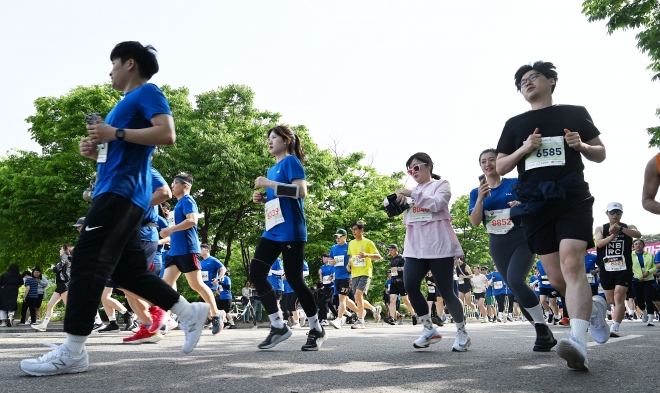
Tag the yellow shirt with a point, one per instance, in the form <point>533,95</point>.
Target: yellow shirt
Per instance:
<point>361,266</point>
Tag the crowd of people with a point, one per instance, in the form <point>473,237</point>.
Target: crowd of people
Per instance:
<point>545,213</point>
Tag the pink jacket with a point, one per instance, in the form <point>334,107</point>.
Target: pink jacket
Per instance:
<point>435,238</point>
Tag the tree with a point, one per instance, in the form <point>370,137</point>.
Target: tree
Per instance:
<point>639,14</point>
<point>474,240</point>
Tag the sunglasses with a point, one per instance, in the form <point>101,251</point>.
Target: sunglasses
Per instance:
<point>415,168</point>
<point>616,211</point>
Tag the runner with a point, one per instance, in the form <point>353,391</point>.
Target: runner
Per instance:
<point>110,244</point>
<point>184,247</point>
<point>290,301</point>
<point>362,252</point>
<point>433,296</point>
<point>490,298</point>
<point>286,234</point>
<point>213,271</point>
<point>339,259</point>
<point>614,241</point>
<point>499,291</point>
<point>643,281</point>
<point>327,278</point>
<point>464,274</point>
<point>591,267</point>
<point>490,205</point>
<point>480,283</point>
<point>397,265</point>
<point>546,145</point>
<point>225,297</point>
<point>275,279</point>
<point>430,244</point>
<point>62,272</point>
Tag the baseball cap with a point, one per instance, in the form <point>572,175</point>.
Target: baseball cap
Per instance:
<point>341,232</point>
<point>79,222</point>
<point>391,246</point>
<point>614,206</point>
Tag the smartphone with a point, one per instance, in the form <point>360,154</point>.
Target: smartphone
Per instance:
<point>93,118</point>
<point>482,179</point>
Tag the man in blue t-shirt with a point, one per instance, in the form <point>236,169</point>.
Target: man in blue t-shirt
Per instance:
<point>184,247</point>
<point>326,292</point>
<point>109,244</point>
<point>275,278</point>
<point>224,297</point>
<point>339,258</point>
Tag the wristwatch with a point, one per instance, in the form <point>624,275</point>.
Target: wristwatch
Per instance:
<point>120,134</point>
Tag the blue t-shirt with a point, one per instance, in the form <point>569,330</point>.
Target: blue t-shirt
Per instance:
<point>489,289</point>
<point>276,279</point>
<point>211,266</point>
<point>184,242</point>
<point>163,257</point>
<point>340,271</point>
<point>33,291</point>
<point>657,258</point>
<point>590,264</point>
<point>498,281</point>
<point>545,282</point>
<point>294,227</point>
<point>162,223</point>
<point>225,288</point>
<point>388,283</point>
<point>328,270</point>
<point>127,168</point>
<point>498,199</point>
<point>532,280</point>
<point>149,233</point>
<point>285,282</point>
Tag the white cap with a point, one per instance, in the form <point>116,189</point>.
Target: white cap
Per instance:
<point>614,206</point>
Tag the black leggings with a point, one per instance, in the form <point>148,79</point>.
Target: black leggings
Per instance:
<point>288,304</point>
<point>293,255</point>
<point>443,272</point>
<point>644,294</point>
<point>513,259</point>
<point>30,303</point>
<point>501,299</point>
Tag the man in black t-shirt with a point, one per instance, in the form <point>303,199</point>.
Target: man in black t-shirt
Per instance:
<point>397,263</point>
<point>547,144</point>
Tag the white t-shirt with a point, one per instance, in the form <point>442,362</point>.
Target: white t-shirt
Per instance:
<point>480,283</point>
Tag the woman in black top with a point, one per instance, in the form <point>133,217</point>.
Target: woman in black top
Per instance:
<point>10,281</point>
<point>62,276</point>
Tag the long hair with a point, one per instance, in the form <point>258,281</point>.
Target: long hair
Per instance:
<point>67,249</point>
<point>293,145</point>
<point>494,151</point>
<point>426,159</point>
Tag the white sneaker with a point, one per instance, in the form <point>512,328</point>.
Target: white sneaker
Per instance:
<point>377,313</point>
<point>614,332</point>
<point>574,353</point>
<point>428,337</point>
<point>462,341</point>
<point>302,318</point>
<point>40,327</point>
<point>336,323</point>
<point>170,325</point>
<point>645,316</point>
<point>599,329</point>
<point>650,322</point>
<point>3,324</point>
<point>193,326</point>
<point>57,361</point>
<point>324,322</point>
<point>358,325</point>
<point>296,326</point>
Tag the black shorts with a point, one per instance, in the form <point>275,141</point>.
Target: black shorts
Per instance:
<point>397,288</point>
<point>186,263</point>
<point>609,280</point>
<point>111,284</point>
<point>343,286</point>
<point>61,288</point>
<point>289,302</point>
<point>479,295</point>
<point>431,297</point>
<point>656,294</point>
<point>40,299</point>
<point>224,304</point>
<point>278,295</point>
<point>568,219</point>
<point>594,290</point>
<point>466,287</point>
<point>549,292</point>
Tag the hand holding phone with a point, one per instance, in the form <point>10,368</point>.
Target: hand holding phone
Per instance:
<point>484,189</point>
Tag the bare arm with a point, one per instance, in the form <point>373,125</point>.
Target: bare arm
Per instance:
<point>160,133</point>
<point>632,231</point>
<point>161,194</point>
<point>651,184</point>
<point>189,222</point>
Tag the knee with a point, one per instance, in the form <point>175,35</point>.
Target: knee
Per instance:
<point>258,270</point>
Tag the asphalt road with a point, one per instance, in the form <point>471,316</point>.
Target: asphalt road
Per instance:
<point>378,359</point>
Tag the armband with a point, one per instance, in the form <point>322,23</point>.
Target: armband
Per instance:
<point>287,190</point>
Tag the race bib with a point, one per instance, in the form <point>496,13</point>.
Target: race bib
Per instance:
<point>431,288</point>
<point>498,285</point>
<point>359,262</point>
<point>461,281</point>
<point>544,280</point>
<point>455,277</point>
<point>418,214</point>
<point>103,153</point>
<point>273,214</point>
<point>591,278</point>
<point>614,263</point>
<point>498,222</point>
<point>339,260</point>
<point>327,280</point>
<point>550,153</point>
<point>205,275</point>
<point>394,272</point>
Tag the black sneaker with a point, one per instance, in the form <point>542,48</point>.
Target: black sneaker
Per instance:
<point>9,322</point>
<point>232,327</point>
<point>389,320</point>
<point>414,319</point>
<point>544,338</point>
<point>129,320</point>
<point>551,316</point>
<point>314,340</point>
<point>437,320</point>
<point>275,337</point>
<point>111,327</point>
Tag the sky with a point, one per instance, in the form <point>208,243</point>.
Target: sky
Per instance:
<point>386,78</point>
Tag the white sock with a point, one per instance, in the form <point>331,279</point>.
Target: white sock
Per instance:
<point>97,319</point>
<point>112,319</point>
<point>75,344</point>
<point>276,320</point>
<point>361,320</point>
<point>536,313</point>
<point>314,323</point>
<point>460,325</point>
<point>343,319</point>
<point>46,320</point>
<point>426,321</point>
<point>231,322</point>
<point>182,308</point>
<point>615,326</point>
<point>579,329</point>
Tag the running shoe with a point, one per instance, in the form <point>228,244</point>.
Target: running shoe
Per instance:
<point>483,320</point>
<point>544,338</point>
<point>599,329</point>
<point>9,322</point>
<point>414,319</point>
<point>158,318</point>
<point>275,336</point>
<point>556,320</point>
<point>296,326</point>
<point>324,322</point>
<point>574,353</point>
<point>645,317</point>
<point>650,322</point>
<point>389,320</point>
<point>358,325</point>
<point>3,324</point>
<point>428,337</point>
<point>497,318</point>
<point>40,327</point>
<point>437,320</point>
<point>614,333</point>
<point>170,325</point>
<point>143,336</point>
<point>462,341</point>
<point>217,322</point>
<point>97,326</point>
<point>192,326</point>
<point>57,361</point>
<point>129,320</point>
<point>112,327</point>
<point>551,317</point>
<point>565,322</point>
<point>232,326</point>
<point>314,340</point>
<point>377,313</point>
<point>336,323</point>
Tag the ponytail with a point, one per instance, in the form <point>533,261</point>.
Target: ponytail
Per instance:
<point>293,144</point>
<point>426,159</point>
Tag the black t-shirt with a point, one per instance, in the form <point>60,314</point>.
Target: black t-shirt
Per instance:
<point>621,245</point>
<point>398,261</point>
<point>550,121</point>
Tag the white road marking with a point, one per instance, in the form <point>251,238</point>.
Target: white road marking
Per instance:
<point>615,340</point>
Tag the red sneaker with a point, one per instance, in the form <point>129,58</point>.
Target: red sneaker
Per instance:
<point>158,318</point>
<point>565,322</point>
<point>143,336</point>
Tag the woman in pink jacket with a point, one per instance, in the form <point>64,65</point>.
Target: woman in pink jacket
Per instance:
<point>430,244</point>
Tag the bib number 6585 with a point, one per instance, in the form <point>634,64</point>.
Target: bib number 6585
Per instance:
<point>551,152</point>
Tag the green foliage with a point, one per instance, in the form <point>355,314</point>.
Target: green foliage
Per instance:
<point>474,240</point>
<point>651,238</point>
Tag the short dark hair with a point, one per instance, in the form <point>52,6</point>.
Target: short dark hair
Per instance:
<point>325,254</point>
<point>186,177</point>
<point>144,56</point>
<point>640,240</point>
<point>544,67</point>
<point>204,245</point>
<point>27,273</point>
<point>358,223</point>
